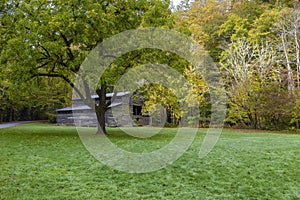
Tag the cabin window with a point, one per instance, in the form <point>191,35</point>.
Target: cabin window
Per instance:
<point>137,110</point>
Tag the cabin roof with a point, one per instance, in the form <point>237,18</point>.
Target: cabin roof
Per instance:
<point>85,107</point>
<point>119,94</point>
<point>95,96</point>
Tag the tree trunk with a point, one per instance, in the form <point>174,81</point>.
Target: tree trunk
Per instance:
<point>297,52</point>
<point>252,121</point>
<point>288,65</point>
<point>101,109</point>
<point>100,112</point>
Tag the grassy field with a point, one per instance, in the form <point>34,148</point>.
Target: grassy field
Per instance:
<point>39,161</point>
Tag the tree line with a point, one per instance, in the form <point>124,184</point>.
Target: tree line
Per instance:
<point>255,44</point>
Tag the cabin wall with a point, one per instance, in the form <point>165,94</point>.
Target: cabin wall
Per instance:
<point>115,116</point>
<point>65,118</point>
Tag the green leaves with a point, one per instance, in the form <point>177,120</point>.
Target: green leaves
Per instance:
<point>50,39</point>
<point>234,28</point>
<point>256,45</point>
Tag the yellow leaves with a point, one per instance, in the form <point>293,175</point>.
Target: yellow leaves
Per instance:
<point>54,24</point>
<point>235,27</point>
<point>91,13</point>
<point>6,83</point>
<point>74,47</point>
<point>199,87</point>
<point>203,20</point>
<point>262,26</point>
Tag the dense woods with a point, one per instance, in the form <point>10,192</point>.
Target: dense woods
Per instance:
<point>255,44</point>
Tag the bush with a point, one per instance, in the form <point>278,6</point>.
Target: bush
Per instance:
<point>52,118</point>
<point>170,125</point>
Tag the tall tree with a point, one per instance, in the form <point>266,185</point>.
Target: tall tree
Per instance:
<point>248,68</point>
<point>204,19</point>
<point>287,29</point>
<point>52,38</point>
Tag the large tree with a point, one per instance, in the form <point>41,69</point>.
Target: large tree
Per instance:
<point>52,38</point>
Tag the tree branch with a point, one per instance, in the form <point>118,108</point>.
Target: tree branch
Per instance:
<point>47,52</point>
<point>68,44</point>
<point>43,65</point>
<point>109,102</point>
<point>62,77</point>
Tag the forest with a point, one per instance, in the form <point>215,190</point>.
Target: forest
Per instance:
<point>255,44</point>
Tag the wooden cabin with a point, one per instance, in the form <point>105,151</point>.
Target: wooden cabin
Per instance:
<point>125,110</point>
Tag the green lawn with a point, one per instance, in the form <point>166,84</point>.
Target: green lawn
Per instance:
<point>39,161</point>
